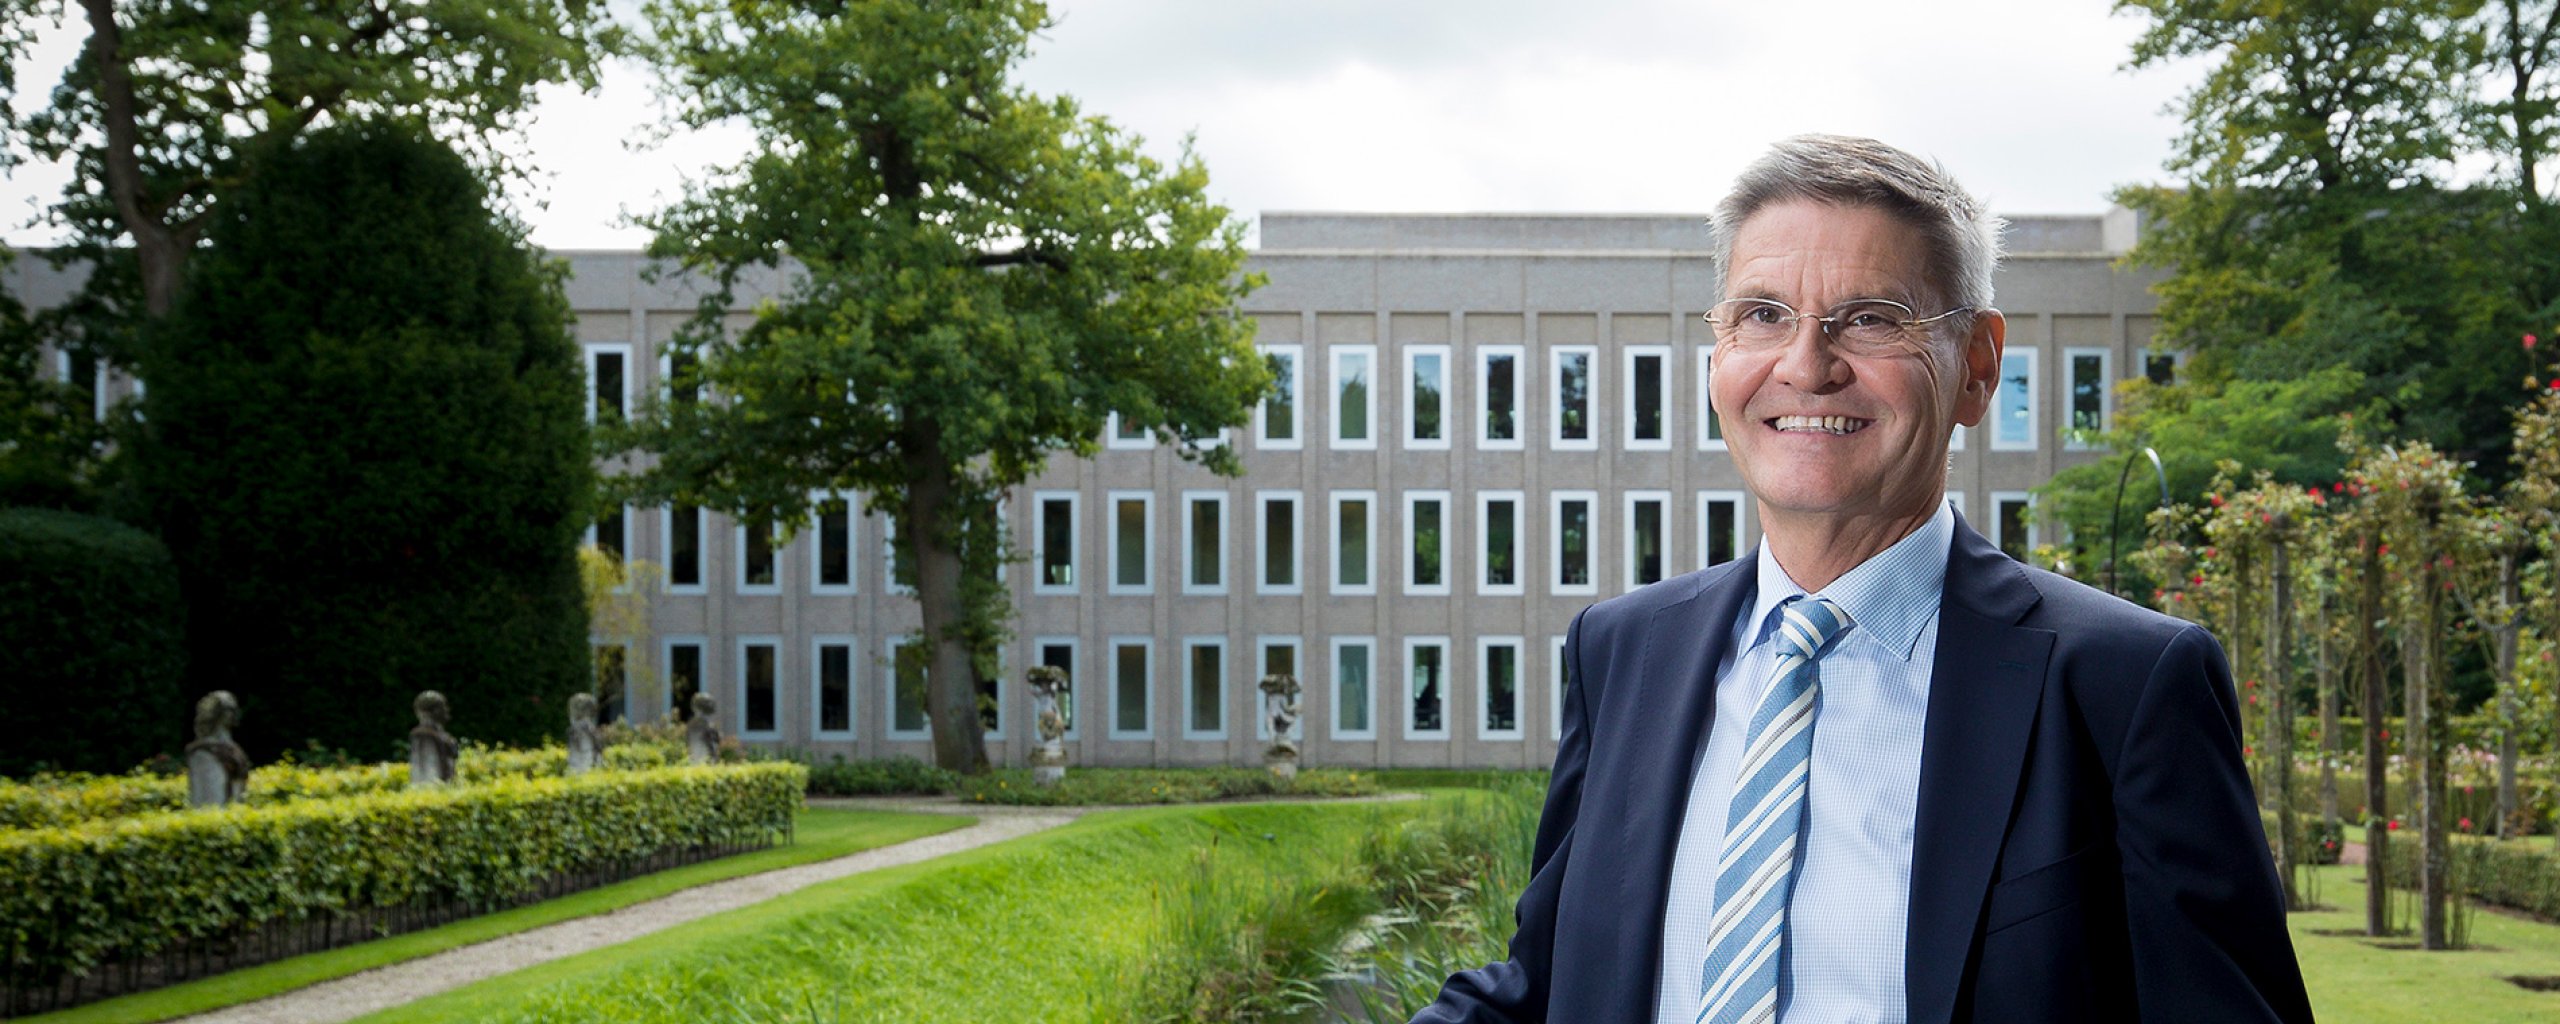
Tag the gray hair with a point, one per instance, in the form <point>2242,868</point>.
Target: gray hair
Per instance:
<point>1841,170</point>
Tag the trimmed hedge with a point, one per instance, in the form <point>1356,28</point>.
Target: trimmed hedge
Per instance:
<point>60,800</point>
<point>92,645</point>
<point>123,890</point>
<point>2524,875</point>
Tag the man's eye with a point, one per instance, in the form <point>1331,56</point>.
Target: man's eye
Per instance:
<point>1868,320</point>
<point>1764,314</point>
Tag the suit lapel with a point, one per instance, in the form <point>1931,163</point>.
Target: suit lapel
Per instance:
<point>1986,681</point>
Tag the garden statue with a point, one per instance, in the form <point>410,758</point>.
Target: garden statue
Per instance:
<point>431,749</point>
<point>1048,710</point>
<point>702,735</point>
<point>217,769</point>
<point>1280,701</point>
<point>584,749</point>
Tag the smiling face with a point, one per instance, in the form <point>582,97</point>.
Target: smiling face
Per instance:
<point>1828,441</point>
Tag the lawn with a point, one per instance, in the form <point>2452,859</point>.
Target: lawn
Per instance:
<point>2354,980</point>
<point>821,834</point>
<point>1057,926</point>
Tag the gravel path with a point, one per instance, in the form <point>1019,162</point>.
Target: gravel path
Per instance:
<point>355,995</point>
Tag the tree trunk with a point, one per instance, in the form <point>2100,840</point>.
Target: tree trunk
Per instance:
<point>2377,762</point>
<point>158,250</point>
<point>2508,634</point>
<point>951,692</point>
<point>2328,682</point>
<point>2427,708</point>
<point>2280,712</point>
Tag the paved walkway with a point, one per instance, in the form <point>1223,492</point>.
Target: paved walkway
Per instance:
<point>384,987</point>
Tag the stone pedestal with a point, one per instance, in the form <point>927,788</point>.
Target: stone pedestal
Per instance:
<point>1048,774</point>
<point>1283,766</point>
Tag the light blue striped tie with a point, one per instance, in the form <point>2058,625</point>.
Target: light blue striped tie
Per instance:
<point>1761,833</point>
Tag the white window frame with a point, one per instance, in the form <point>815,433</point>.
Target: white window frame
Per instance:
<point>1590,441</point>
<point>1146,543</point>
<point>630,369</point>
<point>701,550</point>
<point>1555,543</point>
<point>889,559</point>
<point>667,670</point>
<point>1707,422</point>
<point>1555,688</point>
<point>1076,710</point>
<point>664,386</point>
<point>889,694</point>
<point>1262,648</point>
<point>1413,402</point>
<point>1334,703</point>
<point>1334,502</point>
<point>1190,571</point>
<point>2000,526</point>
<point>1004,708</point>
<point>818,643</point>
<point>1484,689</point>
<point>1297,542</point>
<point>594,531</point>
<point>818,544</point>
<point>1627,420</point>
<point>1521,398</point>
<point>1405,693</point>
<point>1190,686</point>
<point>1413,542</point>
<point>1040,540</point>
<point>1333,399</point>
<point>1706,524</point>
<point>1955,438</point>
<point>1627,535</point>
<point>738,573</point>
<point>1111,689</point>
<point>1297,356</point>
<point>2177,361</point>
<point>1519,544</point>
<point>1111,438</point>
<point>738,691</point>
<point>62,367</point>
<point>2072,439</point>
<point>2034,406</point>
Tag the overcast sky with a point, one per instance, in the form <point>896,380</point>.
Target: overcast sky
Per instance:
<point>1494,105</point>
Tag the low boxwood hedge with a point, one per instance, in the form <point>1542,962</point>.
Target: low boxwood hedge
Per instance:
<point>127,889</point>
<point>2519,874</point>
<point>59,800</point>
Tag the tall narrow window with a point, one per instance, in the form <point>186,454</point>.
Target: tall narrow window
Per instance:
<point>1719,527</point>
<point>1572,406</point>
<point>1279,658</point>
<point>1277,555</point>
<point>1426,396</point>
<point>1055,537</point>
<point>756,563</point>
<point>1498,688</point>
<point>1573,542</point>
<point>612,681</point>
<point>683,370</point>
<point>1127,433</point>
<point>684,549</point>
<point>2013,423</point>
<point>991,704</point>
<point>1352,659</point>
<point>1710,428</point>
<point>1130,670</point>
<point>909,663</point>
<point>612,533</point>
<point>2161,367</point>
<point>831,549</point>
<point>831,686</point>
<point>1059,652</point>
<point>757,682</point>
<point>894,551</point>
<point>1556,683</point>
<point>1426,687</point>
<point>1498,396</point>
<point>1498,522</point>
<point>82,370</point>
<point>1354,522</point>
<point>1646,558</point>
<point>1204,689</point>
<point>684,676</point>
<point>1355,403</point>
<point>2089,395</point>
<point>1204,542</point>
<point>1280,409</point>
<point>1648,416</point>
<point>1426,521</point>
<point>1131,515</point>
<point>608,383</point>
<point>2013,528</point>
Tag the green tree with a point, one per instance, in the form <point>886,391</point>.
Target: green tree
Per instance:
<point>365,447</point>
<point>979,278</point>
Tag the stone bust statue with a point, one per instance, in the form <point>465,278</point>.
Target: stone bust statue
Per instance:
<point>585,747</point>
<point>702,735</point>
<point>217,769</point>
<point>432,750</point>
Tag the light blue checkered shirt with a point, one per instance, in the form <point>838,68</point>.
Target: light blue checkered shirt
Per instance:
<point>1845,924</point>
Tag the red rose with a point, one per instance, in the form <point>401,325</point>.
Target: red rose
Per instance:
<point>2466,823</point>
<point>2529,342</point>
<point>2394,826</point>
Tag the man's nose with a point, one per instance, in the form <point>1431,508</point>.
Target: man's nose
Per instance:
<point>1808,359</point>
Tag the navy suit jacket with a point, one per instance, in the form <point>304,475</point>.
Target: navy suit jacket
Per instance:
<point>2086,848</point>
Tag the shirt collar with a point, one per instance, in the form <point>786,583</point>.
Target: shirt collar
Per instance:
<point>1889,597</point>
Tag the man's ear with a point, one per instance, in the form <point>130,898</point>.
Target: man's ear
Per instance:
<point>1978,365</point>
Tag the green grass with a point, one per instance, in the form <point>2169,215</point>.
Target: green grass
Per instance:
<point>1057,926</point>
<point>2354,980</point>
<point>821,834</point>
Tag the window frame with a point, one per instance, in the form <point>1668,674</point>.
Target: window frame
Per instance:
<point>1075,680</point>
<point>818,644</point>
<point>1112,436</point>
<point>1710,428</point>
<point>2073,437</point>
<point>738,675</point>
<point>592,351</point>
<point>667,645</point>
<point>852,541</point>
<point>1413,403</point>
<point>1413,542</point>
<point>1112,542</point>
<point>774,549</point>
<point>1629,356</point>
<point>1483,404</point>
<point>1297,543</point>
<point>1484,690</point>
<point>1147,688</point>
<point>1297,379</point>
<point>1591,398</point>
<point>1555,688</point>
<point>1263,645</point>
<point>1406,694</point>
<point>1706,525</point>
<point>889,694</point>
<point>1191,646</point>
<point>1663,532</point>
<point>889,560</point>
<point>701,584</point>
<point>2034,409</point>
<point>1999,532</point>
<point>1519,584</point>
<point>1334,501</point>
<point>1190,566</point>
<point>1333,398</point>
<point>1590,546</point>
<point>1334,703</point>
<point>1040,540</point>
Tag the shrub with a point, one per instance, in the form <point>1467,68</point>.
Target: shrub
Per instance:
<point>90,644</point>
<point>2510,874</point>
<point>365,445</point>
<point>876,777</point>
<point>59,800</point>
<point>1157,785</point>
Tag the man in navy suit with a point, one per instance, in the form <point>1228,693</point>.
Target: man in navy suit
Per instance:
<point>1879,771</point>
